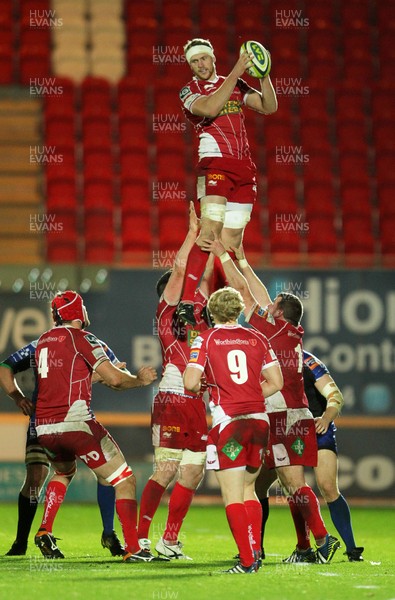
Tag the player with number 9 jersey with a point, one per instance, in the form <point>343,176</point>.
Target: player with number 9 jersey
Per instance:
<point>233,358</point>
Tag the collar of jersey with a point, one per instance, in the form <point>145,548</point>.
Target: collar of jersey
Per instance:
<point>207,81</point>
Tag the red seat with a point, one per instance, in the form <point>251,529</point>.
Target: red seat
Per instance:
<point>318,38</point>
<point>358,238</point>
<point>284,246</point>
<point>356,200</point>
<point>34,63</point>
<point>170,164</point>
<point>133,135</point>
<point>136,235</point>
<point>6,65</point>
<point>314,135</point>
<point>319,167</point>
<point>387,237</point>
<point>281,199</point>
<point>134,164</point>
<point>99,240</point>
<point>312,104</point>
<point>386,202</point>
<point>385,167</point>
<point>352,136</point>
<point>358,70</point>
<point>350,104</point>
<point>319,199</point>
<point>62,248</point>
<point>353,167</point>
<point>277,134</point>
<point>98,193</point>
<point>253,235</point>
<point>136,196</point>
<point>322,242</point>
<point>324,70</point>
<point>95,91</point>
<point>182,8</point>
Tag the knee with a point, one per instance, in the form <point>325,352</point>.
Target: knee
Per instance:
<point>329,491</point>
<point>191,479</point>
<point>127,487</point>
<point>164,473</point>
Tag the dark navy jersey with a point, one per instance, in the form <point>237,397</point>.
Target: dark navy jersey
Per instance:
<point>313,369</point>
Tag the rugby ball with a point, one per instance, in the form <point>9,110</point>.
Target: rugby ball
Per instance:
<point>261,61</point>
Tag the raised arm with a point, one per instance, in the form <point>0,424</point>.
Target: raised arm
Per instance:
<point>210,106</point>
<point>258,289</point>
<point>175,284</point>
<point>335,401</point>
<point>265,101</point>
<point>233,275</point>
<point>10,386</point>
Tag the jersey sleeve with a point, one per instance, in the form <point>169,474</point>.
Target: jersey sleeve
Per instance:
<point>189,94</point>
<point>22,359</point>
<point>262,320</point>
<point>90,348</point>
<point>110,354</point>
<point>314,365</point>
<point>198,354</point>
<point>244,88</point>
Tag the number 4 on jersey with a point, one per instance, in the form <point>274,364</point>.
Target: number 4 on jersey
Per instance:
<point>43,363</point>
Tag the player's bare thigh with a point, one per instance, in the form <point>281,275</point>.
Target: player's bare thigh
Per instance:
<point>326,475</point>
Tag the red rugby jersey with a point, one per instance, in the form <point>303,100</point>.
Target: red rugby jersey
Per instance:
<point>176,345</point>
<point>286,341</point>
<point>224,135</point>
<point>65,359</point>
<point>233,358</point>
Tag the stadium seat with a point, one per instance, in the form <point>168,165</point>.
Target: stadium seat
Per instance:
<point>98,193</point>
<point>322,242</point>
<point>359,245</point>
<point>136,236</point>
<point>356,200</point>
<point>136,196</point>
<point>386,204</point>
<point>133,135</point>
<point>99,248</point>
<point>319,198</point>
<point>351,135</point>
<point>95,91</point>
<point>319,167</point>
<point>385,167</point>
<point>172,230</point>
<point>353,167</point>
<point>314,136</point>
<point>6,65</point>
<point>350,104</point>
<point>284,246</point>
<point>134,164</point>
<point>382,140</point>
<point>34,63</point>
<point>387,241</point>
<point>62,248</point>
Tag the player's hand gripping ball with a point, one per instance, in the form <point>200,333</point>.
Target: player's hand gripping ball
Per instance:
<point>261,61</point>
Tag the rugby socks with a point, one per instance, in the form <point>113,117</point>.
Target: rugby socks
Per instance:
<point>127,514</point>
<point>106,502</point>
<point>179,503</point>
<point>265,515</point>
<point>341,517</point>
<point>307,504</point>
<point>254,513</point>
<point>194,270</point>
<point>150,499</point>
<point>54,497</point>
<point>301,527</point>
<point>239,524</point>
<point>27,508</point>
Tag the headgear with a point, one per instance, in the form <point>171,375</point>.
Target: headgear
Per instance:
<point>68,306</point>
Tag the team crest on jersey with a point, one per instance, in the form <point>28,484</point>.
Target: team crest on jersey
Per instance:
<point>185,92</point>
<point>92,339</point>
<point>253,342</point>
<point>61,338</point>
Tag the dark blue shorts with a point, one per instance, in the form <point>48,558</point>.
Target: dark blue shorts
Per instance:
<point>327,441</point>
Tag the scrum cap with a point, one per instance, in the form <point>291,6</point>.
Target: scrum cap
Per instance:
<point>68,306</point>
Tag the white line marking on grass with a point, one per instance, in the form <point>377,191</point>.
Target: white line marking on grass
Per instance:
<point>367,587</point>
<point>329,574</point>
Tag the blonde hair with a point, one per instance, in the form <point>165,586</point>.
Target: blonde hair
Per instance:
<point>225,305</point>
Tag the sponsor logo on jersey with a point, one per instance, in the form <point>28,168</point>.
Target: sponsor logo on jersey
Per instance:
<point>292,334</point>
<point>171,428</point>
<point>92,339</point>
<point>98,352</point>
<point>237,342</point>
<point>232,449</point>
<point>212,183</point>
<point>192,335</point>
<point>194,356</point>
<point>185,92</point>
<point>231,107</point>
<point>298,446</point>
<point>218,176</point>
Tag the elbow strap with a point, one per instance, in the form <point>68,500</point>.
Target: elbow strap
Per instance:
<point>333,396</point>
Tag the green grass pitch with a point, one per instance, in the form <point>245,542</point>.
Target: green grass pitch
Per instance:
<point>89,572</point>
